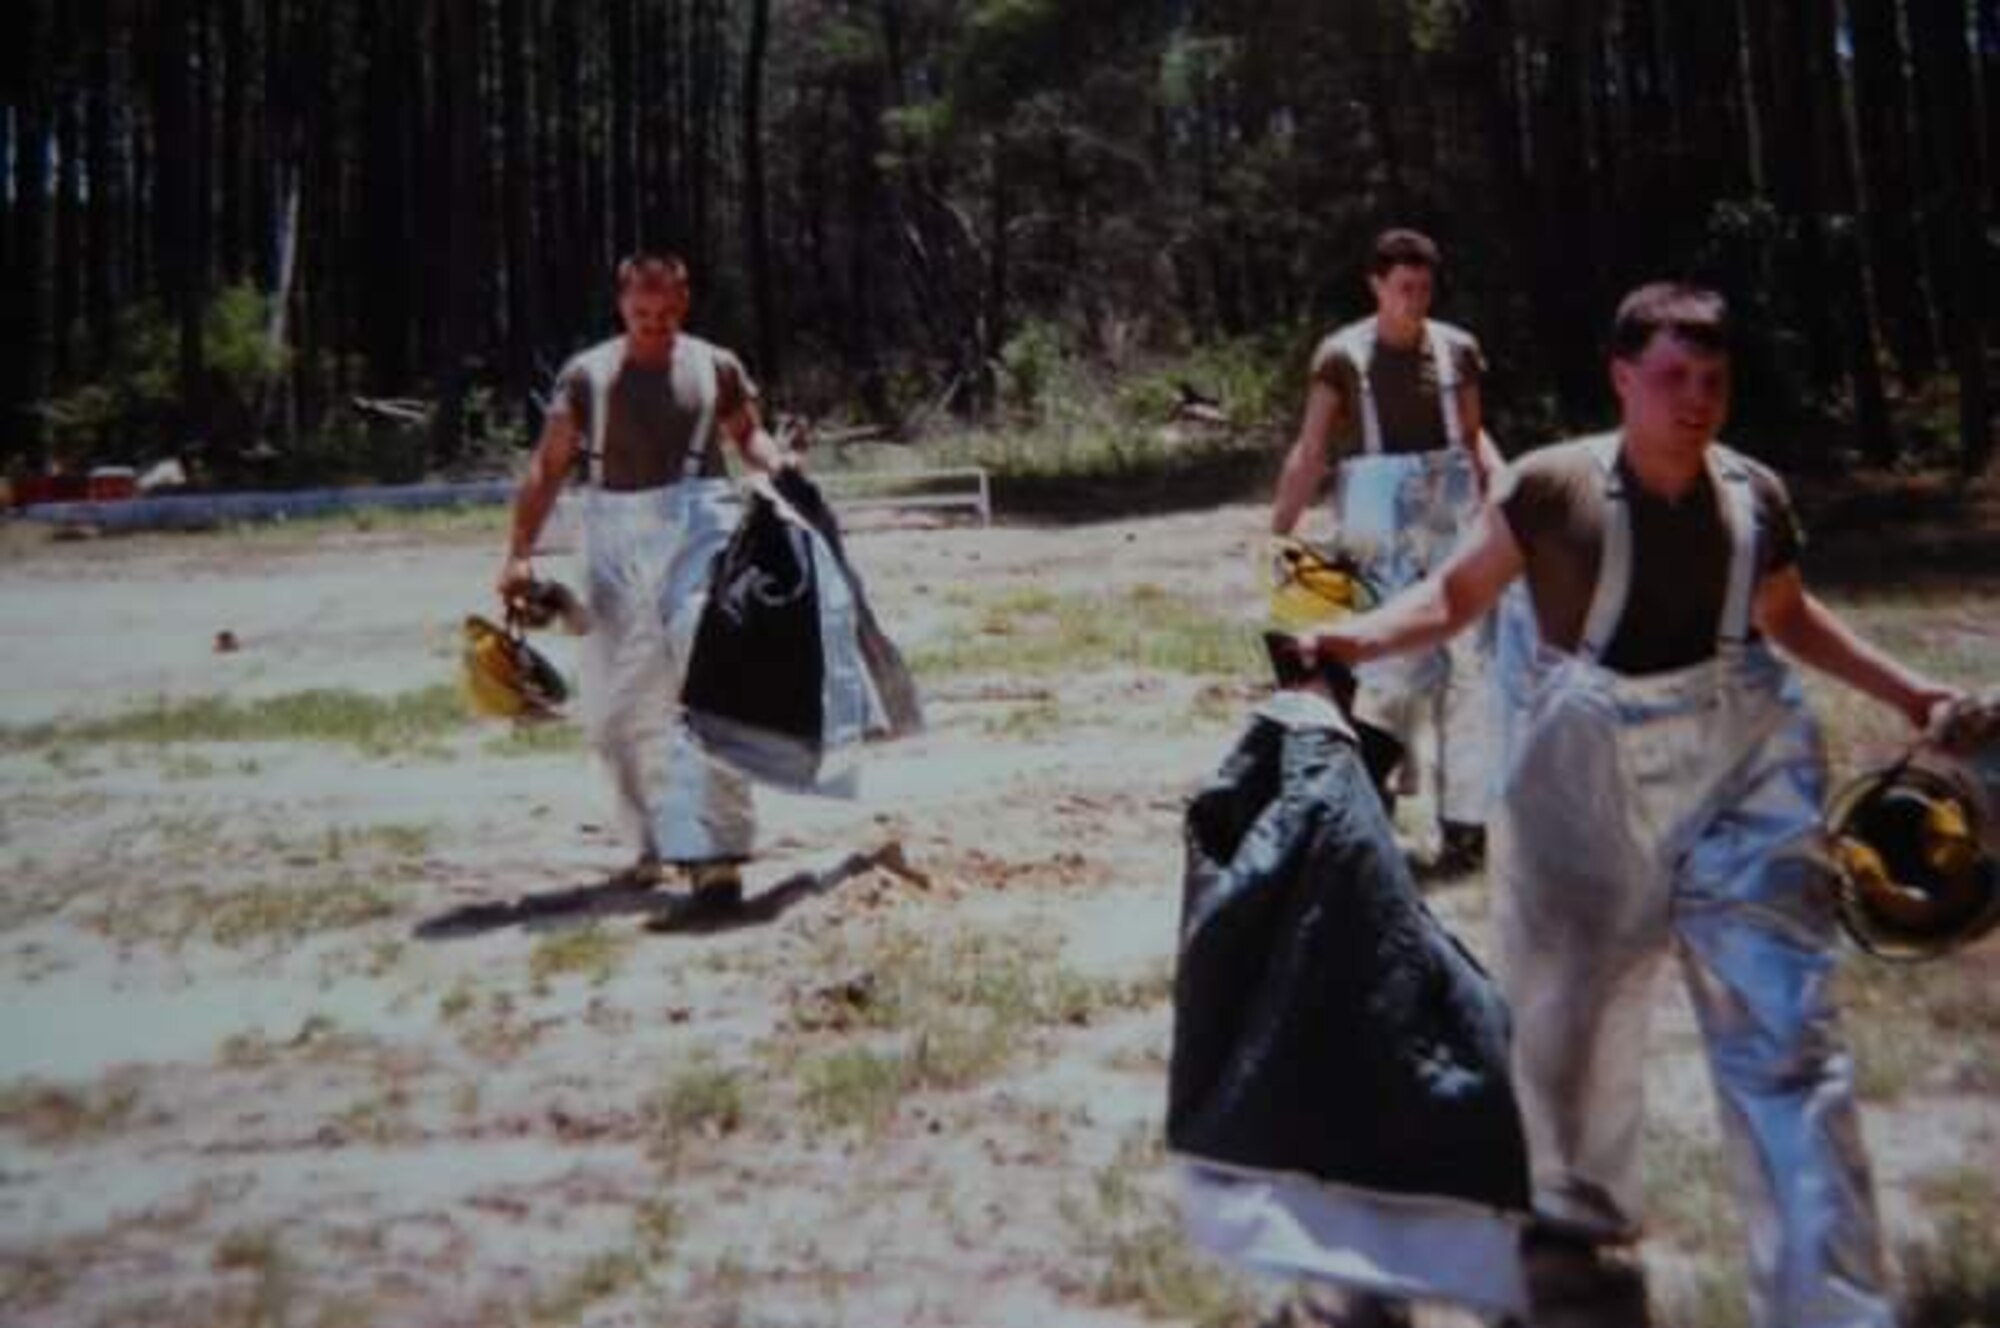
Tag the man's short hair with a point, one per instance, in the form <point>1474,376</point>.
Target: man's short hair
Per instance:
<point>1694,314</point>
<point>644,271</point>
<point>1403,248</point>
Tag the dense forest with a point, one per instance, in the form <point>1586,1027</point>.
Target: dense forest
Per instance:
<point>227,221</point>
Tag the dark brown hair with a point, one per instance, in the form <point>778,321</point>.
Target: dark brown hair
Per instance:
<point>1694,314</point>
<point>644,271</point>
<point>1403,248</point>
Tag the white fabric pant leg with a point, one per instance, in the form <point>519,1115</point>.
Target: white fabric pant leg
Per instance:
<point>646,558</point>
<point>1582,918</point>
<point>623,660</point>
<point>1757,938</point>
<point>1403,514</point>
<point>705,812</point>
<point>1464,774</point>
<point>1643,814</point>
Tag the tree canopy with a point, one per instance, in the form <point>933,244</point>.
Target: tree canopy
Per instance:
<point>225,219</point>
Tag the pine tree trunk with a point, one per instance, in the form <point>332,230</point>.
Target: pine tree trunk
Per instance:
<point>755,222</point>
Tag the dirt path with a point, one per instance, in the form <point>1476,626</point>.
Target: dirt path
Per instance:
<point>238,1087</point>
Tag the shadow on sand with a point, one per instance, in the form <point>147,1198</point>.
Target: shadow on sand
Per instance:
<point>669,911</point>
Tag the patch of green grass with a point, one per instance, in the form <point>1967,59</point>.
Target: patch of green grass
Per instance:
<point>382,1118</point>
<point>1911,1024</point>
<point>1132,1241</point>
<point>600,1278</point>
<point>393,839</point>
<point>657,1225</point>
<point>1039,634</point>
<point>376,725</point>
<point>1687,1189</point>
<point>591,952</point>
<point>1029,723</point>
<point>966,1007</point>
<point>319,1038</point>
<point>266,914</point>
<point>854,1088</point>
<point>703,1100</point>
<point>547,738</point>
<point>191,766</point>
<point>275,1280</point>
<point>458,1001</point>
<point>32,1280</point>
<point>48,1114</point>
<point>466,519</point>
<point>1711,1298</point>
<point>1952,1280</point>
<point>272,888</point>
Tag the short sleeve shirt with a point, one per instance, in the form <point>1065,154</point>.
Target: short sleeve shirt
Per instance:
<point>1554,504</point>
<point>654,412</point>
<point>1405,381</point>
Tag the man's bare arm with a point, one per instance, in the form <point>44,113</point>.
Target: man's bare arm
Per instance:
<point>1438,607</point>
<point>1815,635</point>
<point>555,452</point>
<point>1305,464</point>
<point>1486,458</point>
<point>759,450</point>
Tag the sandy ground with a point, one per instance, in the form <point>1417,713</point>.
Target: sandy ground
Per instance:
<point>242,1083</point>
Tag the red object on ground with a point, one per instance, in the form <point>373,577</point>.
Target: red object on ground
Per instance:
<point>109,484</point>
<point>31,489</point>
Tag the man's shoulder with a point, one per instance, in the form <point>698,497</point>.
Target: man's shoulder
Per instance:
<point>1540,487</point>
<point>1772,495</point>
<point>1345,346</point>
<point>596,360</point>
<point>1750,467</point>
<point>706,349</point>
<point>1453,336</point>
<point>1564,459</point>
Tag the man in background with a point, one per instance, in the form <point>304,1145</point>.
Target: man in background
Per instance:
<point>1394,400</point>
<point>642,412</point>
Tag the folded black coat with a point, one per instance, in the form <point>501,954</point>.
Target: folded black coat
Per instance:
<point>1325,1023</point>
<point>790,670</point>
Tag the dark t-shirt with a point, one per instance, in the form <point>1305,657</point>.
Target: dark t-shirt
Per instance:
<point>654,411</point>
<point>1405,380</point>
<point>1553,503</point>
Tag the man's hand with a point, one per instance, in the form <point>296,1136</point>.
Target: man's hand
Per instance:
<point>1332,644</point>
<point>1927,702</point>
<point>515,575</point>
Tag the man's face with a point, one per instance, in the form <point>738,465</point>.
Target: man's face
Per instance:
<point>1403,294</point>
<point>653,315</point>
<point>1673,392</point>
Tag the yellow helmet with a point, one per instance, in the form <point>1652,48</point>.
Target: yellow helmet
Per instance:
<point>504,677</point>
<point>1310,587</point>
<point>1911,878</point>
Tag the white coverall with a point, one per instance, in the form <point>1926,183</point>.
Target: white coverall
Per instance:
<point>1403,513</point>
<point>646,562</point>
<point>1677,814</point>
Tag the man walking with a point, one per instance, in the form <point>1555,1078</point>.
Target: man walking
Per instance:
<point>1396,398</point>
<point>1661,797</point>
<point>642,411</point>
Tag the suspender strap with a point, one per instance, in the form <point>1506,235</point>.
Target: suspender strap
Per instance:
<point>602,366</point>
<point>705,375</point>
<point>1358,340</point>
<point>1614,567</point>
<point>1454,428</point>
<point>600,371</point>
<point>1739,517</point>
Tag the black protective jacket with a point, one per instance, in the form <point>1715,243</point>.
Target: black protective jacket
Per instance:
<point>1325,1022</point>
